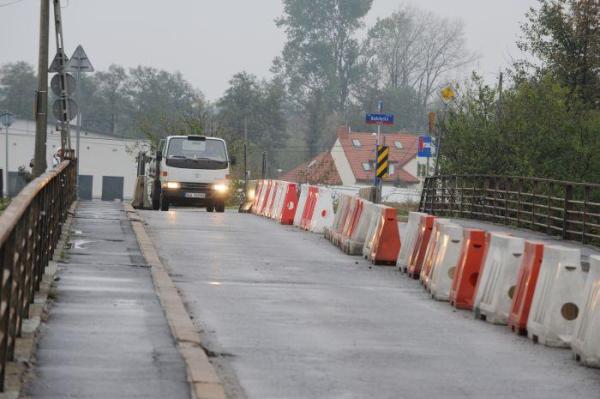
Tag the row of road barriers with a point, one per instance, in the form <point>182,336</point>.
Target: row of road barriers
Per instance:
<point>548,292</point>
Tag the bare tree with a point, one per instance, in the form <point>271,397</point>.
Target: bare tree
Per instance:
<point>417,49</point>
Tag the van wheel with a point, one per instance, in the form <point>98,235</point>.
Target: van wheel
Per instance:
<point>210,208</point>
<point>164,203</point>
<point>220,207</point>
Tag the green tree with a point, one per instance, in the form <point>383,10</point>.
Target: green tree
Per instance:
<point>17,89</point>
<point>565,36</point>
<point>320,60</point>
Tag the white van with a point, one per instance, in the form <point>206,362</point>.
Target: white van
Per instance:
<point>190,171</point>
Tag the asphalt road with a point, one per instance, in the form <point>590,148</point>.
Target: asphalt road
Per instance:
<point>287,315</point>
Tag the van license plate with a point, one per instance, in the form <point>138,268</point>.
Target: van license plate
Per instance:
<point>195,195</point>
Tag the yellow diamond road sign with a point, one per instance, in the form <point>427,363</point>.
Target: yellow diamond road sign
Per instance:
<point>448,94</point>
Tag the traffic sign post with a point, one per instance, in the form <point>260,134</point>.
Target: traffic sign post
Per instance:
<point>79,63</point>
<point>7,119</point>
<point>380,119</point>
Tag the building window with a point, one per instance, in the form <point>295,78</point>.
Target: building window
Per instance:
<point>398,145</point>
<point>366,166</point>
<point>391,169</point>
<point>356,142</point>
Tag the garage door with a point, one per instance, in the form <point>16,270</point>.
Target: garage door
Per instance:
<point>112,188</point>
<point>85,187</point>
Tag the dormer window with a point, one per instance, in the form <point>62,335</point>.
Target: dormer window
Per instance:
<point>366,166</point>
<point>398,145</point>
<point>356,143</point>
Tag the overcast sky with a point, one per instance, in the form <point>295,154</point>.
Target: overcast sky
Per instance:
<point>210,40</point>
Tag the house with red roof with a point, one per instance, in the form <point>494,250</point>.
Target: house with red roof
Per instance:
<point>351,161</point>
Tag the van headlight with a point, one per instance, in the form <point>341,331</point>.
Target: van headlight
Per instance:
<point>173,185</point>
<point>220,188</point>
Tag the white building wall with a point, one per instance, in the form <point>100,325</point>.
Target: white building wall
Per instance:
<point>101,155</point>
<point>412,167</point>
<point>342,164</point>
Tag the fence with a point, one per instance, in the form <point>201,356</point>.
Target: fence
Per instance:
<point>30,228</point>
<point>567,210</point>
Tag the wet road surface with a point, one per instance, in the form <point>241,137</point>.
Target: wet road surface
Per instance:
<point>287,315</point>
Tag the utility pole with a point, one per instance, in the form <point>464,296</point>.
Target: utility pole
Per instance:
<point>499,103</point>
<point>264,165</point>
<point>65,112</point>
<point>245,155</point>
<point>378,182</point>
<point>41,103</point>
<point>7,119</point>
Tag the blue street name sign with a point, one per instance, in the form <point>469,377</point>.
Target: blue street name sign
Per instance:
<point>379,119</point>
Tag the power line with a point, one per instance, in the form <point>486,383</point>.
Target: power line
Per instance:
<point>10,3</point>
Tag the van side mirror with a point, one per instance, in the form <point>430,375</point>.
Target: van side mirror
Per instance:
<point>232,160</point>
<point>159,155</point>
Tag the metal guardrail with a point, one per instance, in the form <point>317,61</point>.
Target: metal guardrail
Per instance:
<point>562,209</point>
<point>30,228</point>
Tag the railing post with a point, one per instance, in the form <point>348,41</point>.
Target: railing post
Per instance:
<point>549,209</point>
<point>520,189</point>
<point>533,207</point>
<point>566,209</point>
<point>461,196</point>
<point>586,199</point>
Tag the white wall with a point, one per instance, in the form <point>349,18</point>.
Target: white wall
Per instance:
<point>342,164</point>
<point>100,155</point>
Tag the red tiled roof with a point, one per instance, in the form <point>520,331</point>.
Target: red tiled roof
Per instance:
<point>366,153</point>
<point>321,169</point>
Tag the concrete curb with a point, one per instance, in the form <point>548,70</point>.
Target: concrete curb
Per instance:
<point>17,371</point>
<point>203,379</point>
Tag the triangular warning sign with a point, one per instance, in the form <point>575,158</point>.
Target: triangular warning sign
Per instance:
<point>55,66</point>
<point>79,61</point>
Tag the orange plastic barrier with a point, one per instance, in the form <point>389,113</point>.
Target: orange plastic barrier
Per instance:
<point>525,288</point>
<point>386,241</point>
<point>463,290</point>
<point>290,204</point>
<point>418,255</point>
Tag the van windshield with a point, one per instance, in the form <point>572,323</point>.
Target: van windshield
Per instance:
<point>209,149</point>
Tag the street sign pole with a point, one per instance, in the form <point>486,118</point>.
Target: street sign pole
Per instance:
<point>378,119</point>
<point>7,120</point>
<point>79,63</point>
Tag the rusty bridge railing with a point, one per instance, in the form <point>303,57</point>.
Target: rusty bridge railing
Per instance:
<point>562,209</point>
<point>30,228</point>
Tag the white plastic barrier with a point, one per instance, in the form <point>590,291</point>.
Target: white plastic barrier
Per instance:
<point>586,338</point>
<point>409,239</point>
<point>301,204</point>
<point>446,261</point>
<point>557,298</point>
<point>323,211</point>
<point>498,279</point>
<point>356,243</point>
<point>374,221</point>
<point>432,250</point>
<point>279,199</point>
<point>270,198</point>
<point>340,217</point>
